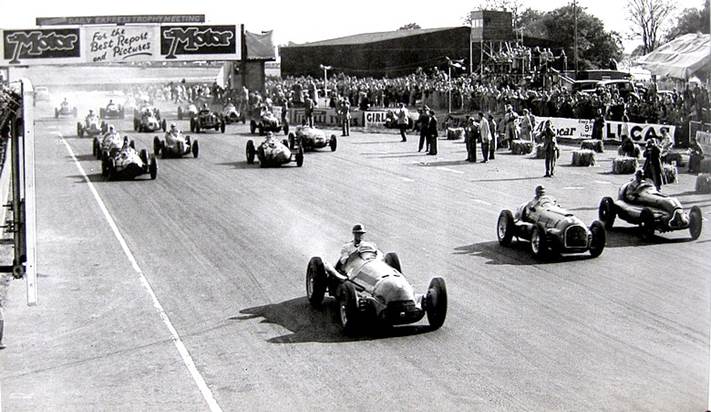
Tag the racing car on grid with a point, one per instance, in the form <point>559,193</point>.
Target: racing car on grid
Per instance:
<point>176,145</point>
<point>651,210</point>
<point>263,121</point>
<point>232,114</point>
<point>371,286</point>
<point>127,163</point>
<point>112,111</point>
<point>187,110</point>
<point>550,229</point>
<point>91,126</point>
<point>207,119</point>
<point>272,153</point>
<point>106,145</point>
<point>312,138</point>
<point>147,119</point>
<point>65,109</point>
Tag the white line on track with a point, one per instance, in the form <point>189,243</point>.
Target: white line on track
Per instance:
<point>602,182</point>
<point>184,354</point>
<point>446,169</point>
<point>406,179</point>
<point>573,188</point>
<point>483,202</point>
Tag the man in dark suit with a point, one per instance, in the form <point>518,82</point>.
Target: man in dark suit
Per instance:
<point>422,122</point>
<point>471,134</point>
<point>550,146</point>
<point>494,137</point>
<point>653,164</point>
<point>432,133</point>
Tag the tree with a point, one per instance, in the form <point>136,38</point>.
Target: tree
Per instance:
<point>647,18</point>
<point>690,21</point>
<point>410,26</point>
<point>514,6</point>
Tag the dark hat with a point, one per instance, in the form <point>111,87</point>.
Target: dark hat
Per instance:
<point>358,228</point>
<point>540,189</point>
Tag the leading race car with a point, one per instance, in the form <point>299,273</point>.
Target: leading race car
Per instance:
<point>263,121</point>
<point>91,126</point>
<point>550,229</point>
<point>147,119</point>
<point>107,144</point>
<point>312,138</point>
<point>127,163</point>
<point>206,119</point>
<point>272,153</point>
<point>112,111</point>
<point>175,145</point>
<point>371,285</point>
<point>640,203</point>
<point>65,109</point>
<point>232,114</point>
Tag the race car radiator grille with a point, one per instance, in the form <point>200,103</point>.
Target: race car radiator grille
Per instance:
<point>402,312</point>
<point>576,236</point>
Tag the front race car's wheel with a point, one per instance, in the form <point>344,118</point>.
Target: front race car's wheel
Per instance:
<point>646,223</point>
<point>222,126</point>
<point>156,145</point>
<point>292,139</point>
<point>153,167</point>
<point>348,312</point>
<point>607,212</point>
<point>436,302</point>
<point>539,242</point>
<point>286,128</point>
<point>252,126</point>
<point>695,222</point>
<point>110,169</point>
<point>250,151</point>
<point>505,228</point>
<point>392,259</point>
<point>192,125</point>
<point>333,143</point>
<point>144,156</point>
<point>195,149</point>
<point>163,125</point>
<point>300,157</point>
<point>316,281</point>
<point>599,237</point>
<point>285,142</point>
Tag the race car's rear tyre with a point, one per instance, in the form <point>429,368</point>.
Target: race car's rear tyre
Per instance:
<point>180,113</point>
<point>333,143</point>
<point>110,169</point>
<point>195,149</point>
<point>392,259</point>
<point>348,312</point>
<point>153,167</point>
<point>252,126</point>
<point>646,223</point>
<point>144,156</point>
<point>222,126</point>
<point>436,302</point>
<point>695,222</point>
<point>260,130</point>
<point>163,125</point>
<point>197,126</point>
<point>505,228</point>
<point>300,157</point>
<point>80,131</point>
<point>316,281</point>
<point>539,242</point>
<point>156,146</point>
<point>192,125</point>
<point>285,142</point>
<point>105,166</point>
<point>132,143</point>
<point>136,125</point>
<point>250,152</point>
<point>607,212</point>
<point>599,237</point>
<point>286,129</point>
<point>292,139</point>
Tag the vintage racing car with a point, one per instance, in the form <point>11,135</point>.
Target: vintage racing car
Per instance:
<point>651,210</point>
<point>127,163</point>
<point>272,153</point>
<point>177,146</point>
<point>147,119</point>
<point>187,110</point>
<point>206,119</point>
<point>65,110</point>
<point>312,138</point>
<point>265,121</point>
<point>91,126</point>
<point>112,111</point>
<point>232,114</point>
<point>550,229</point>
<point>371,285</point>
<point>103,146</point>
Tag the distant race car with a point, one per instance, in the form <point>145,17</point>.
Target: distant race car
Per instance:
<point>91,127</point>
<point>112,111</point>
<point>232,114</point>
<point>65,110</point>
<point>127,163</point>
<point>206,119</point>
<point>177,146</point>
<point>550,229</point>
<point>371,286</point>
<point>265,122</point>
<point>187,110</point>
<point>651,210</point>
<point>272,153</point>
<point>312,138</point>
<point>147,119</point>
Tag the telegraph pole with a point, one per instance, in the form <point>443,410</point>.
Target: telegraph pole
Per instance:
<point>575,37</point>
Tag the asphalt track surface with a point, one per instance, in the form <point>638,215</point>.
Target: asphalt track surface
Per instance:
<point>224,246</point>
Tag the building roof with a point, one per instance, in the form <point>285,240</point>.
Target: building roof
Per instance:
<point>365,38</point>
<point>681,58</point>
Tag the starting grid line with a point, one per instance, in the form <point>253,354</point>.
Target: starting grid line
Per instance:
<point>175,337</point>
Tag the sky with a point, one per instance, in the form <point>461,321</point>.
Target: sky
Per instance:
<point>302,21</point>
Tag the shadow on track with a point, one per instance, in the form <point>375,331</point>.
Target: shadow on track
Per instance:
<point>519,253</point>
<point>443,163</point>
<point>93,178</point>
<point>309,324</point>
<point>626,236</point>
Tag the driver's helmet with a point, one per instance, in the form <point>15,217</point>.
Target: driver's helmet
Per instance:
<point>112,129</point>
<point>173,128</point>
<point>540,190</point>
<point>639,174</point>
<point>110,102</point>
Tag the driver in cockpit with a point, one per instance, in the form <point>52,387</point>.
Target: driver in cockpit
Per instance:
<point>636,186</point>
<point>540,199</point>
<point>351,247</point>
